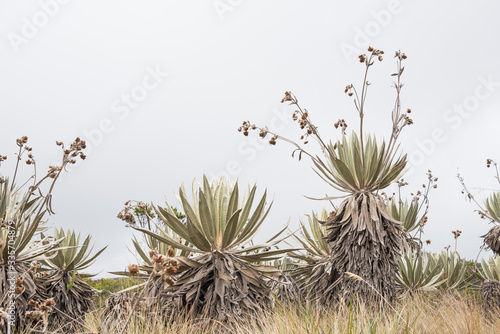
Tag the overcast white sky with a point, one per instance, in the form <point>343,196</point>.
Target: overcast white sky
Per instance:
<point>158,89</point>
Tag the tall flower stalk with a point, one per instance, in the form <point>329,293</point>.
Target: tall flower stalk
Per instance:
<point>22,222</point>
<point>364,238</point>
<point>490,209</point>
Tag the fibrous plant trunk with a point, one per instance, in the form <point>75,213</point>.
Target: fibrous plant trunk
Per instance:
<point>121,305</point>
<point>490,290</point>
<point>73,297</point>
<point>28,290</point>
<point>221,287</point>
<point>316,281</point>
<point>285,288</point>
<point>413,245</point>
<point>492,239</point>
<point>365,241</point>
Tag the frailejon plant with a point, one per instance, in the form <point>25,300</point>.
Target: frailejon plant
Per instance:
<point>64,277</point>
<point>412,214</point>
<point>224,277</point>
<point>490,288</point>
<point>139,214</point>
<point>490,210</point>
<point>22,220</point>
<point>419,272</point>
<point>284,287</point>
<point>314,272</point>
<point>455,270</point>
<point>491,269</point>
<point>365,240</point>
<point>153,255</point>
<point>492,238</point>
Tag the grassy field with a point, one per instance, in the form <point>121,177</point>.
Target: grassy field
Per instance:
<point>429,313</point>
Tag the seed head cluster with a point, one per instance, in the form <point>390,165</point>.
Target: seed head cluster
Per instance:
<point>342,124</point>
<point>164,266</point>
<point>127,214</point>
<point>133,269</point>
<point>19,287</point>
<point>74,150</point>
<point>247,126</point>
<point>41,310</point>
<point>456,234</point>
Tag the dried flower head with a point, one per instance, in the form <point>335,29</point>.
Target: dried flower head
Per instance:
<point>19,286</point>
<point>288,97</point>
<point>169,281</point>
<point>171,251</point>
<point>21,141</point>
<point>43,307</point>
<point>342,124</point>
<point>153,253</point>
<point>456,233</point>
<point>49,302</point>
<point>133,269</point>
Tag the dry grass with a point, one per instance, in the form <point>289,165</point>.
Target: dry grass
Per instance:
<point>436,313</point>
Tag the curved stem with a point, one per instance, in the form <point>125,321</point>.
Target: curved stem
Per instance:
<point>17,164</point>
<point>288,141</point>
<point>361,109</point>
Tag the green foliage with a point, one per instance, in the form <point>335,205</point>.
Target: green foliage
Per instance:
<point>491,269</point>
<point>216,219</point>
<point>111,285</point>
<point>492,204</point>
<point>455,270</point>
<point>73,296</point>
<point>21,222</point>
<point>72,256</point>
<point>352,168</point>
<point>312,236</point>
<point>406,213</point>
<point>108,286</point>
<point>419,272</point>
<point>141,211</point>
<point>314,273</point>
<point>225,272</point>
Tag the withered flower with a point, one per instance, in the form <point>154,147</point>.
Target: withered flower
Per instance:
<point>169,281</point>
<point>171,251</point>
<point>50,302</point>
<point>133,269</point>
<point>19,286</point>
<point>288,97</point>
